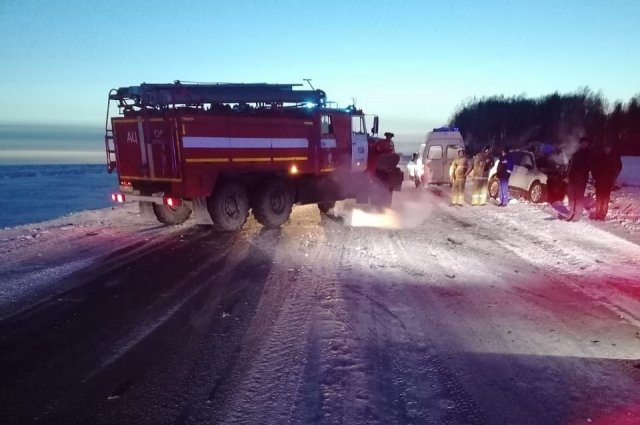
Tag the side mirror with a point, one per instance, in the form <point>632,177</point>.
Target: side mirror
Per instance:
<point>374,129</point>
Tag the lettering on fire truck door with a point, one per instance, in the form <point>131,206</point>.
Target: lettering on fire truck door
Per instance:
<point>130,152</point>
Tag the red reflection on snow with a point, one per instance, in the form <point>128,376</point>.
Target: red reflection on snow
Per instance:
<point>626,415</point>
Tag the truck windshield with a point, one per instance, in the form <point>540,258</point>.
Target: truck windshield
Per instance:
<point>358,124</point>
<point>369,121</point>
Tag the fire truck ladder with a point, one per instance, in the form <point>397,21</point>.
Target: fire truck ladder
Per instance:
<point>164,95</point>
<point>108,139</point>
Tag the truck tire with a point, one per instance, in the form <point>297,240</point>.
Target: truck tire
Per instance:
<point>171,215</point>
<point>537,192</point>
<point>324,207</point>
<point>382,197</point>
<point>229,207</point>
<point>494,188</point>
<point>272,203</point>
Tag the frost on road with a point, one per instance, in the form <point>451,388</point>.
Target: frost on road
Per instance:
<point>452,316</point>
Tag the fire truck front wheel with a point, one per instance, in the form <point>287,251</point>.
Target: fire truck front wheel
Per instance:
<point>272,203</point>
<point>382,197</point>
<point>325,206</point>
<point>229,207</point>
<point>171,215</point>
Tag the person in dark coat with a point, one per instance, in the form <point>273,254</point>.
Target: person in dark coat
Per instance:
<point>505,167</point>
<point>578,175</point>
<point>606,167</point>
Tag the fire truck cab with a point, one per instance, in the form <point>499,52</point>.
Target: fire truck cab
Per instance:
<point>221,150</point>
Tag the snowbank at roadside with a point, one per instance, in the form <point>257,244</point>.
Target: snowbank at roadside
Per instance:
<point>624,209</point>
<point>630,174</point>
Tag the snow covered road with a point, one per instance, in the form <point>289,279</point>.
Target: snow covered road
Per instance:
<point>463,316</point>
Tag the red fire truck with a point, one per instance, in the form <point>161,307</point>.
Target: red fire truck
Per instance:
<point>221,150</point>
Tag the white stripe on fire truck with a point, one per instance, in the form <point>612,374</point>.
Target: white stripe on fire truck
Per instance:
<point>327,143</point>
<point>243,142</point>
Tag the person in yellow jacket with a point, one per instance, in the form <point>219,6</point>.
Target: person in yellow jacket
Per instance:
<point>480,174</point>
<point>458,175</point>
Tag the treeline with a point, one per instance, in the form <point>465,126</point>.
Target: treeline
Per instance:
<point>556,119</point>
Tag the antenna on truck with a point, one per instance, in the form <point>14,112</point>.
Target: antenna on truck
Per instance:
<point>308,80</point>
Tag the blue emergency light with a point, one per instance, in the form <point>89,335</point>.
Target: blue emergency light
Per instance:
<point>444,129</point>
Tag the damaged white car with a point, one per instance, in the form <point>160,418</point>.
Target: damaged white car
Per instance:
<point>536,178</point>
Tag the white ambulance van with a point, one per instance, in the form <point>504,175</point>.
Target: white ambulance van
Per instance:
<point>439,149</point>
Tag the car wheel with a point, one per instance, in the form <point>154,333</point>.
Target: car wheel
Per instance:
<point>538,192</point>
<point>494,188</point>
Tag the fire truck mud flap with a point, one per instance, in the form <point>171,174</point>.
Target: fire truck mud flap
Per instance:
<point>200,211</point>
<point>146,210</point>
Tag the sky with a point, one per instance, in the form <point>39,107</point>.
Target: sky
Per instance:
<point>411,62</point>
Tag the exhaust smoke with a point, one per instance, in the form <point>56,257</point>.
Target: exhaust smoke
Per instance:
<point>404,213</point>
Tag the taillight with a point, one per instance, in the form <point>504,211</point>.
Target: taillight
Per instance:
<point>172,202</point>
<point>117,197</point>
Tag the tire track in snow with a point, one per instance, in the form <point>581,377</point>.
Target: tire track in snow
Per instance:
<point>160,312</point>
<point>404,382</point>
<point>269,379</point>
<point>570,263</point>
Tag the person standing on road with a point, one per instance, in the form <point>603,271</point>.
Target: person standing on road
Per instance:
<point>577,176</point>
<point>480,174</point>
<point>458,175</point>
<point>505,167</point>
<point>606,167</point>
<point>412,169</point>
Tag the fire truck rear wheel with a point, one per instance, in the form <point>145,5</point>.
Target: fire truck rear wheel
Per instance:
<point>272,203</point>
<point>229,207</point>
<point>171,215</point>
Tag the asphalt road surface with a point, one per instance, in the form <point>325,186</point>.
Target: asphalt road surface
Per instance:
<point>468,316</point>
